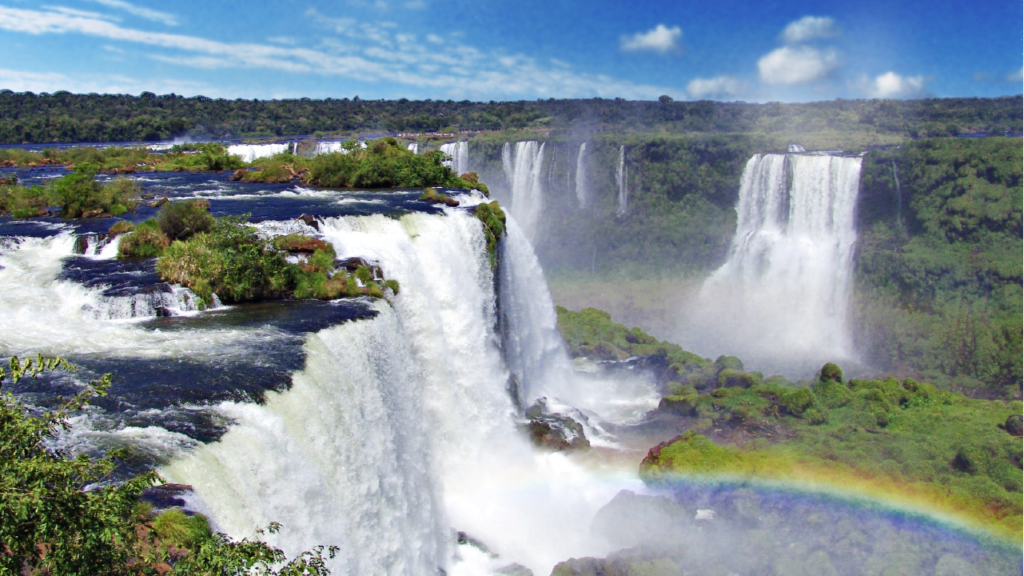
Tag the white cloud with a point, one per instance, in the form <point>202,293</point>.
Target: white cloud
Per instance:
<point>361,51</point>
<point>82,13</point>
<point>1017,76</point>
<point>658,39</point>
<point>51,82</point>
<point>435,39</point>
<point>719,87</point>
<point>797,65</point>
<point>809,28</point>
<point>148,14</point>
<point>892,85</point>
<point>286,40</point>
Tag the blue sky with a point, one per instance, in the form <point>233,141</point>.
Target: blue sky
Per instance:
<point>512,50</point>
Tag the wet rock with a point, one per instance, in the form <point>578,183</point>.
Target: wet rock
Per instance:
<point>554,431</point>
<point>238,175</point>
<point>166,495</point>
<point>310,221</point>
<point>92,213</point>
<point>464,539</point>
<point>1014,425</point>
<point>158,202</point>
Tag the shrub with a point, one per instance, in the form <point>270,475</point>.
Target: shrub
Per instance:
<point>300,243</point>
<point>183,530</point>
<point>182,220</point>
<point>434,197</point>
<point>145,241</point>
<point>121,227</point>
<point>393,284</point>
<point>230,261</point>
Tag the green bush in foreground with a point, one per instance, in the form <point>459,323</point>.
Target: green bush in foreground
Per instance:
<point>50,525</point>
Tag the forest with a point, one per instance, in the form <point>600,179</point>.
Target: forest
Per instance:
<point>65,117</point>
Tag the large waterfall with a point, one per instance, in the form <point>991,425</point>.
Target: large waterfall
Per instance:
<point>523,169</point>
<point>784,290</point>
<point>459,152</point>
<point>400,428</point>
<point>581,176</point>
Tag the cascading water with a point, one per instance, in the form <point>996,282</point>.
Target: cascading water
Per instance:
<point>250,152</point>
<point>622,180</point>
<point>784,291</point>
<point>527,188</point>
<point>400,428</point>
<point>507,164</point>
<point>581,176</point>
<point>413,147</point>
<point>328,148</point>
<point>459,152</point>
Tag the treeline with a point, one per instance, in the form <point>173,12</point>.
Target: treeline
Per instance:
<point>65,117</point>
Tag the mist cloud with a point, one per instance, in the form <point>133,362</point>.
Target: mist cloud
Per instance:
<point>892,85</point>
<point>716,88</point>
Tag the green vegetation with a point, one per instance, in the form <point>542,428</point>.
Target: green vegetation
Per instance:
<point>128,160</point>
<point>78,194</point>
<point>590,333</point>
<point>146,240</point>
<point>231,261</point>
<point>939,268</point>
<point>434,197</point>
<point>882,437</point>
<point>50,525</point>
<point>493,218</point>
<point>182,220</point>
<point>64,117</point>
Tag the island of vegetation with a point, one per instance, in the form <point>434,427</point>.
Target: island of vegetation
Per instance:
<point>880,437</point>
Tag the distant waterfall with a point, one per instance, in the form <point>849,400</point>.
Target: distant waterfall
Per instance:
<point>581,176</point>
<point>459,151</point>
<point>622,180</point>
<point>527,187</point>
<point>414,147</point>
<point>328,148</point>
<point>784,291</point>
<point>251,152</point>
<point>507,164</point>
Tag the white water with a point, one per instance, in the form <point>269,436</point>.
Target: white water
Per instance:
<point>400,428</point>
<point>60,317</point>
<point>507,164</point>
<point>581,176</point>
<point>250,152</point>
<point>459,152</point>
<point>328,148</point>
<point>526,183</point>
<point>622,180</point>
<point>414,147</point>
<point>784,291</point>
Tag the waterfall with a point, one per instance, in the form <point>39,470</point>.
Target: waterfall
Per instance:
<point>533,347</point>
<point>784,291</point>
<point>581,177</point>
<point>414,147</point>
<point>621,179</point>
<point>527,187</point>
<point>400,430</point>
<point>251,152</point>
<point>459,152</point>
<point>328,148</point>
<point>507,164</point>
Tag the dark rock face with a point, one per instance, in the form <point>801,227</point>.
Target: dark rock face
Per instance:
<point>1014,425</point>
<point>166,495</point>
<point>554,431</point>
<point>310,221</point>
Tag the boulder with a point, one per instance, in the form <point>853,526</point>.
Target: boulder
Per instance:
<point>1014,425</point>
<point>310,221</point>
